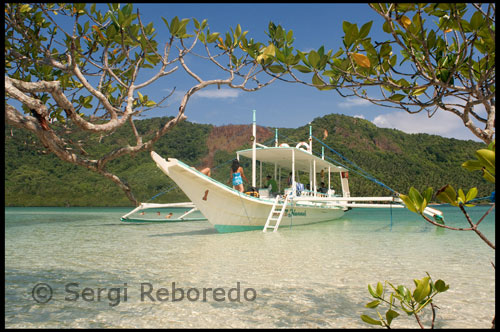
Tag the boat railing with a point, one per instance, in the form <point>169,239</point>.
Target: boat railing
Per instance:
<point>312,193</point>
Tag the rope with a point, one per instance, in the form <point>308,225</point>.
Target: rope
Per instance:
<point>365,175</point>
<point>391,215</point>
<point>172,187</point>
<point>369,177</point>
<point>486,198</point>
<point>344,158</point>
<point>214,168</point>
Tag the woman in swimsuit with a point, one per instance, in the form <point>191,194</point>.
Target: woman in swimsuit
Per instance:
<point>237,176</point>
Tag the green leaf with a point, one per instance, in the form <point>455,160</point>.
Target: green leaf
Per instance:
<point>212,37</point>
<point>238,31</point>
<point>373,304</point>
<point>380,289</point>
<point>369,320</point>
<point>397,97</point>
<point>476,20</point>
<point>302,69</point>
<point>351,35</point>
<point>390,315</point>
<point>427,194</point>
<point>423,206</point>
<point>404,292</point>
<point>372,292</point>
<point>317,81</point>
<point>365,30</point>
<point>408,202</point>
<point>314,59</point>
<point>447,195</point>
<point>25,8</point>
<point>488,177</point>
<point>345,26</point>
<point>461,196</point>
<point>472,165</point>
<point>266,53</point>
<point>181,31</point>
<point>487,159</point>
<point>416,197</point>
<point>418,91</point>
<point>444,76</point>
<point>423,289</point>
<point>276,69</point>
<point>471,194</point>
<point>441,286</point>
<point>385,50</point>
<point>196,24</point>
<point>386,27</point>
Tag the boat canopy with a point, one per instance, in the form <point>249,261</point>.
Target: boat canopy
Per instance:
<point>282,156</point>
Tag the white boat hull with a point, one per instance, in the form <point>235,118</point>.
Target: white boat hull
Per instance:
<point>230,210</point>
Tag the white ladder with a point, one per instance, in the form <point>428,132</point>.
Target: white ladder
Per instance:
<point>275,211</point>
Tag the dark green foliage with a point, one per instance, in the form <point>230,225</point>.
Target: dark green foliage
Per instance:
<point>396,159</point>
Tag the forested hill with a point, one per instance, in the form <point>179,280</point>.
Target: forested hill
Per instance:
<point>399,160</point>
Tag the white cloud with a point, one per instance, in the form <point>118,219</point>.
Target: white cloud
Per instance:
<point>441,123</point>
<point>360,116</point>
<point>219,93</point>
<point>354,102</point>
<point>205,93</point>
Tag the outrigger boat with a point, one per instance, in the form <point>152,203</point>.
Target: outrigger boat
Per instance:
<point>162,213</point>
<point>229,210</point>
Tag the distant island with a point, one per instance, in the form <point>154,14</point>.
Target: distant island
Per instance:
<point>397,159</point>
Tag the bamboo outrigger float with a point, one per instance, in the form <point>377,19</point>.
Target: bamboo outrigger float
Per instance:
<point>229,210</point>
<point>135,216</point>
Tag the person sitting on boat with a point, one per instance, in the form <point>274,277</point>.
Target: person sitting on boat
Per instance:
<point>299,188</point>
<point>206,171</point>
<point>323,189</point>
<point>272,185</point>
<point>237,176</point>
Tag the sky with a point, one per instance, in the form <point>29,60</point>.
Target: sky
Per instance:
<point>282,104</point>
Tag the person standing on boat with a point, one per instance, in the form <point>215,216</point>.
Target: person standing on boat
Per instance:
<point>237,176</point>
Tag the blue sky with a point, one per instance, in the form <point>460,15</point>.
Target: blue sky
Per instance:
<point>282,104</point>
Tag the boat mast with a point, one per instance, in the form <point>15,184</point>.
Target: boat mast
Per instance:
<point>276,145</point>
<point>329,184</point>
<point>254,151</point>
<point>294,187</point>
<point>310,140</point>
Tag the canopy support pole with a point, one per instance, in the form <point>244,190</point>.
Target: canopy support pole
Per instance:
<point>254,151</point>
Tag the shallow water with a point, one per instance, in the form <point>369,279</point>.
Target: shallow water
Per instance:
<point>312,276</point>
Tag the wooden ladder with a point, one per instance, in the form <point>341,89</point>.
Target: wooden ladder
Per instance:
<point>274,212</point>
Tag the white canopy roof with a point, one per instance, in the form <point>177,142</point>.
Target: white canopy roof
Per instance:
<point>282,156</point>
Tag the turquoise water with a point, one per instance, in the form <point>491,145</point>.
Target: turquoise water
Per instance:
<point>312,276</point>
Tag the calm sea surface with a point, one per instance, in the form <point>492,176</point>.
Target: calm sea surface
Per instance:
<point>91,270</point>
